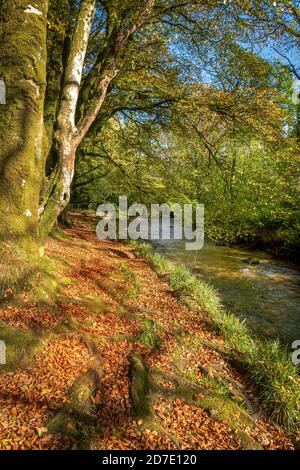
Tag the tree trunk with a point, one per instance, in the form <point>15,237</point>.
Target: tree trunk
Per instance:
<point>298,122</point>
<point>22,136</point>
<point>25,142</point>
<point>65,140</point>
<point>68,137</point>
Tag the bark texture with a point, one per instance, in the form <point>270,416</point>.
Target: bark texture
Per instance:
<point>65,142</point>
<point>41,120</point>
<point>70,133</point>
<point>23,69</point>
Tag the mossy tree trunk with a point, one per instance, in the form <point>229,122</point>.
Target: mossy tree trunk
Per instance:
<point>22,137</point>
<point>298,122</point>
<point>42,119</point>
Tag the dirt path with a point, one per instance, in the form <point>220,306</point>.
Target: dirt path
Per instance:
<point>159,363</point>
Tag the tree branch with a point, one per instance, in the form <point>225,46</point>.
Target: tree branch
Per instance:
<point>110,70</point>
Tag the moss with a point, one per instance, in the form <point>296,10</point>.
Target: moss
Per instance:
<point>92,303</point>
<point>64,423</point>
<point>80,409</point>
<point>17,267</point>
<point>58,234</point>
<point>68,325</point>
<point>124,312</point>
<point>21,346</point>
<point>217,404</point>
<point>142,389</point>
<point>191,342</point>
<point>120,338</point>
<point>139,388</point>
<point>22,153</point>
<point>52,210</point>
<point>186,392</point>
<point>217,385</point>
<point>37,282</point>
<point>247,442</point>
<point>81,394</point>
<point>224,409</point>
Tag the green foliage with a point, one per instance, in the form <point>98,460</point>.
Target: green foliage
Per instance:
<point>129,275</point>
<point>244,170</point>
<point>276,378</point>
<point>149,336</point>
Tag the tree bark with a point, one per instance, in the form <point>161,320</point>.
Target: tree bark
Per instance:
<point>298,122</point>
<point>69,136</point>
<point>66,144</point>
<point>25,140</point>
<point>22,136</point>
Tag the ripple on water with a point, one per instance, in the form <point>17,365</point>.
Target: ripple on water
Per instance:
<point>267,294</point>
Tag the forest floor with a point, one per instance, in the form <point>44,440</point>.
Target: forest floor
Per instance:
<point>117,362</point>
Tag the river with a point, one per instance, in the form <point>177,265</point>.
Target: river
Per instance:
<point>266,295</point>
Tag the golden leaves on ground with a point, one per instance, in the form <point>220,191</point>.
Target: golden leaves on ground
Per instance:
<point>29,397</point>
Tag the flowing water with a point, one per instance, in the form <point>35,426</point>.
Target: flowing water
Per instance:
<point>267,295</point>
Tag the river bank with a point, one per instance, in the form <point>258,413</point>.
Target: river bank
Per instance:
<point>155,373</point>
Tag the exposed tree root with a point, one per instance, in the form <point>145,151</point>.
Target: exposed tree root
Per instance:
<point>65,219</point>
<point>146,384</point>
<point>23,345</point>
<point>215,372</point>
<point>81,407</point>
<point>140,389</point>
<point>215,348</point>
<point>140,392</point>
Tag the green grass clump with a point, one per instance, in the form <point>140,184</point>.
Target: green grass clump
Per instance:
<point>268,366</point>
<point>159,263</point>
<point>130,275</point>
<point>148,336</point>
<point>235,332</point>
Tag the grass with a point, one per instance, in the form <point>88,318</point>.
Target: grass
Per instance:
<point>148,336</point>
<point>128,274</point>
<point>268,365</point>
<point>278,384</point>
